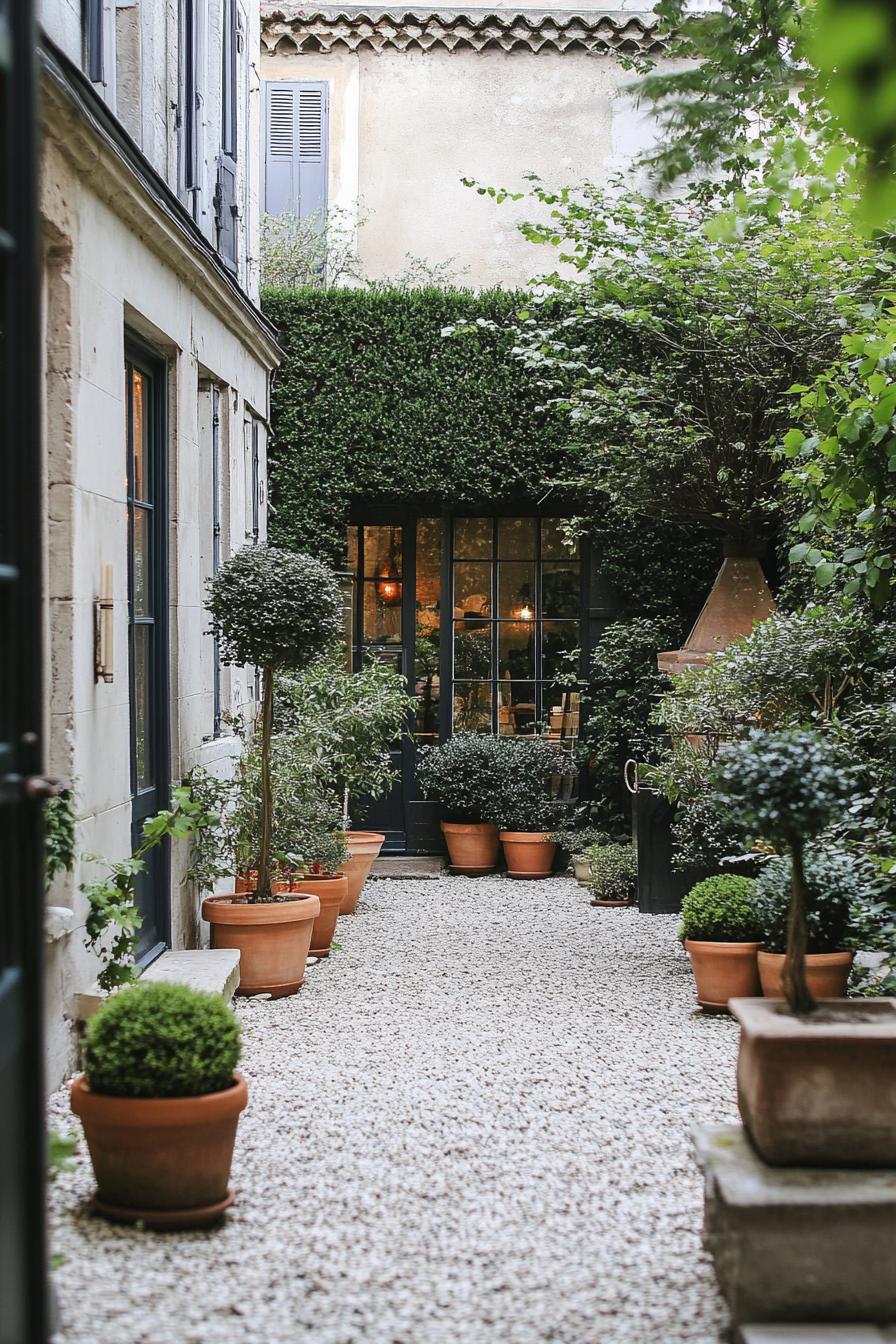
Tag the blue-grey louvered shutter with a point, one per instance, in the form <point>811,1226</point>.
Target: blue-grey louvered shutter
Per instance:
<point>296,126</point>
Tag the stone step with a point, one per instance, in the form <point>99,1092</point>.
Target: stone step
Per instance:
<point>422,866</point>
<point>797,1243</point>
<point>216,970</point>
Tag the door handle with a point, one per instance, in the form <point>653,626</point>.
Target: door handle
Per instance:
<point>44,786</point>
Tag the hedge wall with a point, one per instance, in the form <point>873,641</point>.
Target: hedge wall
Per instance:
<point>371,401</point>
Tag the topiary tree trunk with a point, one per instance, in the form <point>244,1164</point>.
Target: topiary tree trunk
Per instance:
<point>263,890</point>
<point>796,989</point>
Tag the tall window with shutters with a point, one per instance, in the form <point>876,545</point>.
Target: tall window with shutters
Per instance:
<point>296,148</point>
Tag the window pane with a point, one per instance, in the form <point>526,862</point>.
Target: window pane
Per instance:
<point>553,546</point>
<point>560,588</point>
<point>351,549</point>
<point>472,590</point>
<point>382,553</point>
<point>429,578</point>
<point>142,524</point>
<point>473,707</point>
<point>473,538</point>
<point>472,652</point>
<point>516,707</point>
<point>140,434</point>
<point>516,649</point>
<point>382,615</point>
<point>516,591</point>
<point>427,690</point>
<point>559,639</point>
<point>142,702</point>
<point>516,538</point>
<point>561,708</point>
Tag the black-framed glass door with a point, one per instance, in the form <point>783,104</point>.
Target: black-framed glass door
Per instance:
<point>484,617</point>
<point>147,482</point>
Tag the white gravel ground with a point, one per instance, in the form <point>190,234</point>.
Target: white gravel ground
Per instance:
<point>471,1125</point>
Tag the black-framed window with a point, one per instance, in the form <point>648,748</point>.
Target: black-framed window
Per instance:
<point>217,710</point>
<point>92,20</point>
<point>516,626</point>
<point>255,479</point>
<point>188,95</point>
<point>230,46</point>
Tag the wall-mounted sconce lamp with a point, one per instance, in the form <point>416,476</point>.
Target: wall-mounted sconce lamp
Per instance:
<point>103,609</point>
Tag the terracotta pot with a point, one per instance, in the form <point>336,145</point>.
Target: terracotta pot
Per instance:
<point>528,853</point>
<point>330,889</point>
<point>364,848</point>
<point>819,1090</point>
<point>273,940</point>
<point>827,974</point>
<point>723,971</point>
<point>607,903</point>
<point>163,1161</point>
<point>472,847</point>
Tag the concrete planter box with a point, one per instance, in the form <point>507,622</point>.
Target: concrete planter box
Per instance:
<point>819,1091</point>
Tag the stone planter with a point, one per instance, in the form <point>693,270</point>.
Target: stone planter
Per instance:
<point>819,1090</point>
<point>827,974</point>
<point>582,869</point>
<point>723,971</point>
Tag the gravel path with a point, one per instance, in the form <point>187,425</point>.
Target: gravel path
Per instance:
<point>470,1127</point>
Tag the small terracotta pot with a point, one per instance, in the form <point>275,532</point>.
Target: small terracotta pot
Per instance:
<point>273,940</point>
<point>472,847</point>
<point>607,903</point>
<point>364,848</point>
<point>819,1090</point>
<point>528,853</point>
<point>162,1161</point>
<point>723,971</point>
<point>827,974</point>
<point>330,889</point>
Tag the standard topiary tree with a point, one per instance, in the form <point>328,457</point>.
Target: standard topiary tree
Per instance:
<point>161,1040</point>
<point>278,610</point>
<point>787,787</point>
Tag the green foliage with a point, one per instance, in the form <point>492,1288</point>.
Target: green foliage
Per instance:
<point>372,401</point>
<point>613,872</point>
<point>785,786</point>
<point>161,1040</point>
<point>836,889</point>
<point>347,722</point>
<point>506,781</point>
<point>720,910</point>
<point>113,920</point>
<point>622,689</point>
<point>61,1149</point>
<point>577,840</point>
<point>274,608</point>
<point>59,834</point>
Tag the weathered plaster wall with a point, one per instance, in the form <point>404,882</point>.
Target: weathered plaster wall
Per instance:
<point>406,126</point>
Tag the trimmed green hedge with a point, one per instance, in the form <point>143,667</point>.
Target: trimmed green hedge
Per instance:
<point>373,402</point>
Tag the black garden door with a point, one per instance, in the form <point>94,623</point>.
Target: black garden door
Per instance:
<point>484,616</point>
<point>147,461</point>
<point>22,786</point>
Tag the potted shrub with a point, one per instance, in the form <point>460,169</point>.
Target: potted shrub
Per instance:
<point>350,720</point>
<point>614,873</point>
<point>464,775</point>
<point>524,807</point>
<point>576,843</point>
<point>834,886</point>
<point>159,1101</point>
<point>719,924</point>
<point>278,610</point>
<point>815,1082</point>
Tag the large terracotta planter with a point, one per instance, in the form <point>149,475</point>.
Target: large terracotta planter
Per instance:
<point>827,974</point>
<point>364,848</point>
<point>161,1161</point>
<point>330,889</point>
<point>723,971</point>
<point>273,940</point>
<point>472,847</point>
<point>528,853</point>
<point>819,1090</point>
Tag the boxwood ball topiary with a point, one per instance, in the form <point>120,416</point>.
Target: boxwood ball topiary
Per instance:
<point>161,1040</point>
<point>720,910</point>
<point>274,608</point>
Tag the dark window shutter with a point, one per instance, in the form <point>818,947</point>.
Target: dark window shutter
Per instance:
<point>296,148</point>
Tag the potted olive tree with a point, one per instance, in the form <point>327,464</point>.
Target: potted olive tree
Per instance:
<point>278,610</point>
<point>524,807</point>
<point>815,1081</point>
<point>349,720</point>
<point>464,775</point>
<point>719,929</point>
<point>159,1101</point>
